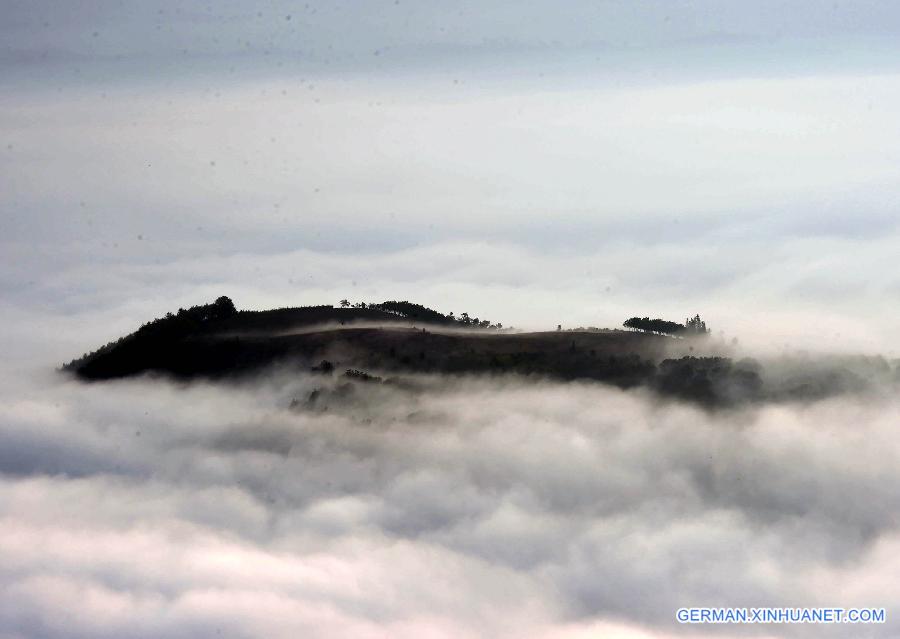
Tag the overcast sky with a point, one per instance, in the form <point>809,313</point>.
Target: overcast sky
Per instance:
<point>531,162</point>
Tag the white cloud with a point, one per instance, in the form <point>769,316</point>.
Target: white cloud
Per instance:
<point>512,510</point>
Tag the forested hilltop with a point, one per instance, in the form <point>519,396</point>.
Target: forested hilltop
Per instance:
<point>135,352</point>
<point>217,341</point>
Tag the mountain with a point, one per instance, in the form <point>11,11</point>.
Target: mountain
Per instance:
<point>218,341</point>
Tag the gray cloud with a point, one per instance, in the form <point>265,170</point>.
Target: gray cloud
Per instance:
<point>385,34</point>
<point>560,191</point>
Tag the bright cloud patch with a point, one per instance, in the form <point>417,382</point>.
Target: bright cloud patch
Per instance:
<point>142,509</point>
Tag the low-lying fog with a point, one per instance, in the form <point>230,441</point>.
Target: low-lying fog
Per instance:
<point>461,508</point>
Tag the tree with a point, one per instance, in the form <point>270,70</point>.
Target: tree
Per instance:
<point>344,303</point>
<point>223,307</point>
<point>696,326</point>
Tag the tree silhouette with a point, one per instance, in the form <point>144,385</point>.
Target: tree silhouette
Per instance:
<point>344,303</point>
<point>223,307</point>
<point>694,326</point>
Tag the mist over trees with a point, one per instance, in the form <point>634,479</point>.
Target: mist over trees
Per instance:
<point>217,341</point>
<point>184,342</point>
<point>693,326</point>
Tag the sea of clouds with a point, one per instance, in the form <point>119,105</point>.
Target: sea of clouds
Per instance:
<point>468,507</point>
<point>511,160</point>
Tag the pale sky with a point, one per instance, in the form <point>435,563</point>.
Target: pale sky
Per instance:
<point>534,163</point>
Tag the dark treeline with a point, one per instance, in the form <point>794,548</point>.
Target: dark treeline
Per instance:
<point>127,353</point>
<point>693,326</point>
<point>208,338</point>
<point>712,382</point>
<point>410,310</point>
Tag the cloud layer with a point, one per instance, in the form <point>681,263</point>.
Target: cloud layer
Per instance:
<point>472,508</point>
